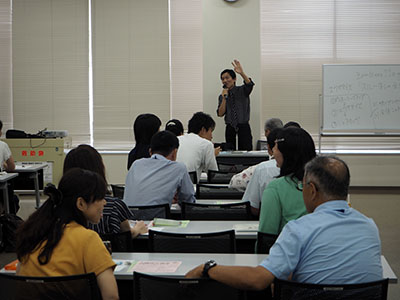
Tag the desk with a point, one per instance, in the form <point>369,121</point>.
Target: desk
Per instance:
<point>210,226</point>
<point>176,209</point>
<point>191,260</point>
<point>3,186</point>
<point>33,172</point>
<point>245,240</point>
<point>247,158</point>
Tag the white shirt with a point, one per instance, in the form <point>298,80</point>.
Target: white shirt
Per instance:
<point>264,173</point>
<point>196,153</point>
<point>5,153</point>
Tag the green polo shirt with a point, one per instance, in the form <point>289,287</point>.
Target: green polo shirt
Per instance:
<point>281,203</point>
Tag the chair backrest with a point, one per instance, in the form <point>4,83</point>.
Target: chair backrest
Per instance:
<point>149,212</point>
<point>120,242</point>
<point>45,288</point>
<point>193,176</point>
<point>285,290</point>
<point>216,242</point>
<point>213,191</point>
<point>265,242</point>
<point>229,211</point>
<point>151,287</point>
<point>118,190</point>
<point>220,176</point>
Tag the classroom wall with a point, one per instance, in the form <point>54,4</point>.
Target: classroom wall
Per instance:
<point>231,31</point>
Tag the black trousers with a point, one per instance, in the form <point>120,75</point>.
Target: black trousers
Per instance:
<point>245,139</point>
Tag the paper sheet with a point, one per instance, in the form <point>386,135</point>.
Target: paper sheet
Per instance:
<point>157,266</point>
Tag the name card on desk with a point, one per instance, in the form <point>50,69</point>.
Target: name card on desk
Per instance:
<point>245,227</point>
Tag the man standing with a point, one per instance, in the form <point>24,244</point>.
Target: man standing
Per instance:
<point>333,244</point>
<point>234,104</point>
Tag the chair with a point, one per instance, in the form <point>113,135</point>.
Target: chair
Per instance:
<point>120,242</point>
<point>265,242</point>
<point>216,191</point>
<point>229,211</point>
<point>151,287</point>
<point>118,190</point>
<point>262,145</point>
<point>215,242</point>
<point>149,212</point>
<point>193,176</point>
<point>219,176</point>
<point>285,290</point>
<point>82,286</point>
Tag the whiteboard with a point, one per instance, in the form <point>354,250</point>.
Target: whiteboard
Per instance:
<point>361,98</point>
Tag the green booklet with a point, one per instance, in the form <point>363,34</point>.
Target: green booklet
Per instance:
<point>159,222</point>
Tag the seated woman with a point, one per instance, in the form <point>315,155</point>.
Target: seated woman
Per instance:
<point>175,126</point>
<point>116,214</point>
<point>145,126</point>
<point>54,241</point>
<point>282,201</point>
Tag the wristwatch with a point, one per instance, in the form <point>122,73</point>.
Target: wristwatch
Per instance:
<point>207,266</point>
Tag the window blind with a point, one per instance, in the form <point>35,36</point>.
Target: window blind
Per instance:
<point>186,59</point>
<point>5,65</point>
<point>130,67</point>
<point>50,66</point>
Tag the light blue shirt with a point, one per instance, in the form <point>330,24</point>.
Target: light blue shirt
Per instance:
<point>155,180</point>
<point>335,244</point>
<point>263,174</point>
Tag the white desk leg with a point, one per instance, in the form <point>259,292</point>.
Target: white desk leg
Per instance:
<point>5,196</point>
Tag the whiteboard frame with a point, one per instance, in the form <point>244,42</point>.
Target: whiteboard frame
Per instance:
<point>347,133</point>
<point>351,132</point>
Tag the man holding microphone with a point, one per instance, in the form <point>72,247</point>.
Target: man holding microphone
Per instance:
<point>234,104</point>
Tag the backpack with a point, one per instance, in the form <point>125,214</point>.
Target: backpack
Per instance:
<point>8,226</point>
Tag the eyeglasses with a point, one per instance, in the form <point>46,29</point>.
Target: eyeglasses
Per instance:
<point>279,140</point>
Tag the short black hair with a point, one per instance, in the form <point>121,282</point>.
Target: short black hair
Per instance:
<point>292,124</point>
<point>175,126</point>
<point>200,120</point>
<point>1,125</point>
<point>164,142</point>
<point>297,148</point>
<point>331,175</point>
<point>144,127</point>
<point>230,71</point>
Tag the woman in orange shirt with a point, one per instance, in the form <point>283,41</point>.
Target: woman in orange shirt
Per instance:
<point>54,241</point>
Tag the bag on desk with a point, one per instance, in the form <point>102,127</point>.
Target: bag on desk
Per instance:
<point>8,224</point>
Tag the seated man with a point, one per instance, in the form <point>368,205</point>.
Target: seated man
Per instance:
<point>242,179</point>
<point>159,179</point>
<point>263,174</point>
<point>333,244</point>
<point>6,159</point>
<point>196,150</point>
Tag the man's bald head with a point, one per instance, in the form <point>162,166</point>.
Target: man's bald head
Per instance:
<point>331,176</point>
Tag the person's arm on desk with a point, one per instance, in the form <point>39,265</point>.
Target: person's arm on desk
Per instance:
<point>107,285</point>
<point>139,228</point>
<point>9,164</point>
<point>247,278</point>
